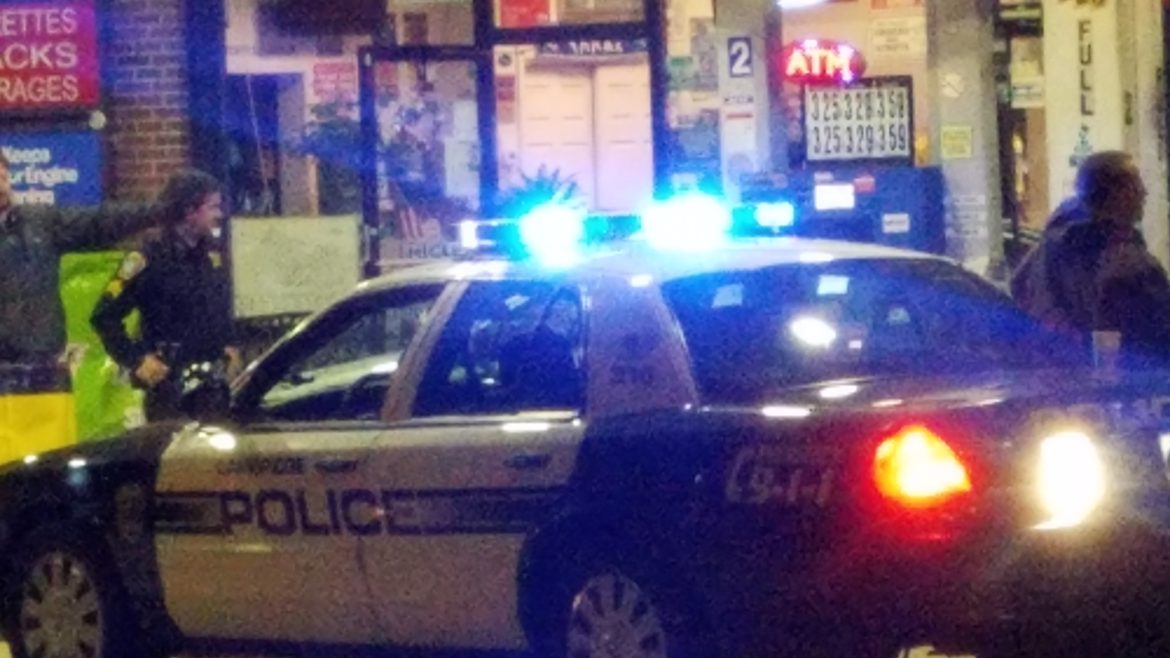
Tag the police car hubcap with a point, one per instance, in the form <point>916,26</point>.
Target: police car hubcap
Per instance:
<point>612,617</point>
<point>60,611</point>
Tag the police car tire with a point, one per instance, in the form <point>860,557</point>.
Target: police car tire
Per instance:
<point>92,565</point>
<point>680,623</point>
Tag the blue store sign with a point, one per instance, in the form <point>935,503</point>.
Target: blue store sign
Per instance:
<point>62,168</point>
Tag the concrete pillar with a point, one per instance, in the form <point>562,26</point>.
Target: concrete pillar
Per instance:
<point>744,117</point>
<point>962,93</point>
<point>1103,66</point>
<point>1148,132</point>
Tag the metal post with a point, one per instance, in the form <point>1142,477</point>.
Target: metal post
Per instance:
<point>371,233</point>
<point>655,15</point>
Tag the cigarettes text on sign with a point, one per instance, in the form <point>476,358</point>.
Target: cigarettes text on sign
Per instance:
<point>48,56</point>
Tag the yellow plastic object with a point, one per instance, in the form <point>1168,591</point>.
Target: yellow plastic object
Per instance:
<point>37,412</point>
<point>32,424</point>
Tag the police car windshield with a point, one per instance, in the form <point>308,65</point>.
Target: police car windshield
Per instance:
<point>751,331</point>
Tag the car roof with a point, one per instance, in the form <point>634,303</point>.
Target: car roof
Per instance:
<point>634,258</point>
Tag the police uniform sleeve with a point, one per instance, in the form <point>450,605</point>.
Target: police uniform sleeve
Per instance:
<point>102,227</point>
<point>120,297</point>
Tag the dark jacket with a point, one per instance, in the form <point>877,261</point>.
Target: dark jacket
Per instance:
<point>1133,298</point>
<point>183,295</point>
<point>32,239</point>
<point>1035,284</point>
<point>1086,277</point>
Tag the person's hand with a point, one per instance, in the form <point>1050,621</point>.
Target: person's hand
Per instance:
<point>235,364</point>
<point>152,370</point>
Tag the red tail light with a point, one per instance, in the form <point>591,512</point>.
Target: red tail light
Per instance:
<point>917,468</point>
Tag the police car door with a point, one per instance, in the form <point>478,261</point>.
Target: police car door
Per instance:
<point>265,519</point>
<point>489,434</point>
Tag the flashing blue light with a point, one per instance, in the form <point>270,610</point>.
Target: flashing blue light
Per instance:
<point>641,280</point>
<point>688,222</point>
<point>775,215</point>
<point>553,233</point>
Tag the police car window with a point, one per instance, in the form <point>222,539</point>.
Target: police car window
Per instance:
<point>342,366</point>
<point>750,331</point>
<point>509,346</point>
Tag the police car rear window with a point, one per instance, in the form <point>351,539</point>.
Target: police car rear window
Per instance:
<point>750,331</point>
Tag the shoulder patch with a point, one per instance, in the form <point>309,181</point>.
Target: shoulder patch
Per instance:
<point>216,259</point>
<point>132,264</point>
<point>114,289</point>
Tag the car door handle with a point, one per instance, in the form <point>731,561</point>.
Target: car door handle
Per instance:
<point>528,462</point>
<point>336,466</point>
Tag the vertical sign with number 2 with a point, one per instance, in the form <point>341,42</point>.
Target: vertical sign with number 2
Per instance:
<point>739,55</point>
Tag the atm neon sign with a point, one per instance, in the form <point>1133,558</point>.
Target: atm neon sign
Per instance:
<point>821,62</point>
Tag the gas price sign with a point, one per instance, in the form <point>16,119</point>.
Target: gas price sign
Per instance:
<point>873,119</point>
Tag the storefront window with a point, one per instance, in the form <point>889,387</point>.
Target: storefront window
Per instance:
<point>293,130</point>
<point>694,103</point>
<point>512,14</point>
<point>573,118</point>
<point>428,148</point>
<point>741,116</point>
<point>432,22</point>
<point>717,114</point>
<point>293,102</point>
<point>292,116</point>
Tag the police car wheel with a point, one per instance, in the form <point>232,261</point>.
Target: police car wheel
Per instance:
<point>69,605</point>
<point>612,616</point>
<point>606,609</point>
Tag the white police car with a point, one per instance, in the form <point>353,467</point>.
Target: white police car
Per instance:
<point>763,447</point>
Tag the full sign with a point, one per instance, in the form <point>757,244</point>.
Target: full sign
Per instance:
<point>48,56</point>
<point>821,62</point>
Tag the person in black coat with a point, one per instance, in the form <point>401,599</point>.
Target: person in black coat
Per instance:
<point>1093,271</point>
<point>179,283</point>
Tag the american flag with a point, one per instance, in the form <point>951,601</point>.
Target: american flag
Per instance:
<point>409,223</point>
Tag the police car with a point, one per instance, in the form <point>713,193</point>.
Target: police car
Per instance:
<point>675,445</point>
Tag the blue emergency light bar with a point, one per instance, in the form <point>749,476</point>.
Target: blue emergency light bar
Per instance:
<point>557,234</point>
<point>775,215</point>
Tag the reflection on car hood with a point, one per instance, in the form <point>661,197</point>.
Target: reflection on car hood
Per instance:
<point>958,391</point>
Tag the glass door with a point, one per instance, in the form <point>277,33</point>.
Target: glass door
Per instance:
<point>426,149</point>
<point>574,119</point>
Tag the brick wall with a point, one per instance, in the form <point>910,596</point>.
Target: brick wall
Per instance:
<point>146,93</point>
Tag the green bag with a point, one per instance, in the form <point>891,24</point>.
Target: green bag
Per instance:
<point>105,403</point>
